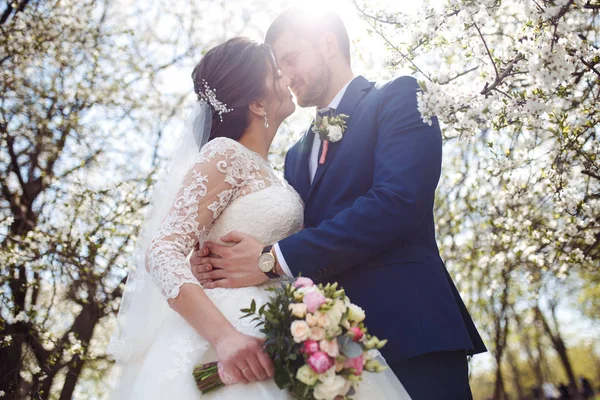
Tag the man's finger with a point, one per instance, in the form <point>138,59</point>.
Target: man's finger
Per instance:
<point>216,274</point>
<point>201,268</point>
<point>216,249</point>
<point>196,258</point>
<point>211,275</point>
<point>233,237</point>
<point>221,283</point>
<point>201,276</point>
<point>213,262</point>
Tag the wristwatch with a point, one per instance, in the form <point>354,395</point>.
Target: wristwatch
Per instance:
<point>266,262</point>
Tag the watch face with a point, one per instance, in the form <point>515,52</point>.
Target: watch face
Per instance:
<point>266,262</point>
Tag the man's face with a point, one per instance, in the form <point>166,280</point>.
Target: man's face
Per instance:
<point>304,64</point>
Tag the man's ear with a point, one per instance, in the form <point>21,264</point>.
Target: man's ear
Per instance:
<point>257,107</point>
<point>329,45</point>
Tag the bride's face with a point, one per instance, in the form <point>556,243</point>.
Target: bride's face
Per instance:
<point>278,98</point>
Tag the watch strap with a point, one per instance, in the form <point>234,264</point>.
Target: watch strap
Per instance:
<point>271,274</point>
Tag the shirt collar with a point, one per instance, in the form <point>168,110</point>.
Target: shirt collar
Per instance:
<point>338,97</point>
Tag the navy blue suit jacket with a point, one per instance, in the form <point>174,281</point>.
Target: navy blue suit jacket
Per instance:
<point>369,221</point>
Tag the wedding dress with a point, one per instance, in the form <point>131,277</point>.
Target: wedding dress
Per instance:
<point>229,188</point>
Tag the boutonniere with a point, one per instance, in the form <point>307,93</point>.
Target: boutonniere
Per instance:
<point>330,128</point>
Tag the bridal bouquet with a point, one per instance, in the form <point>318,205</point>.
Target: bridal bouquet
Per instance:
<point>316,339</point>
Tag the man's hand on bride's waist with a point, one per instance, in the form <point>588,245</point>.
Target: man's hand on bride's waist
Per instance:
<point>230,266</point>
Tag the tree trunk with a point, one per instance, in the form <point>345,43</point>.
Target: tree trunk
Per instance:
<point>11,366</point>
<point>516,374</point>
<point>559,346</point>
<point>500,345</point>
<point>499,384</point>
<point>501,325</point>
<point>83,327</point>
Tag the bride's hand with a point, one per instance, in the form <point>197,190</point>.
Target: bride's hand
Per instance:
<point>243,357</point>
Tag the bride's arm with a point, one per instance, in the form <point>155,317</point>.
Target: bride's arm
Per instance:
<point>213,181</point>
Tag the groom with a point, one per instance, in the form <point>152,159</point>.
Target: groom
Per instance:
<point>368,211</point>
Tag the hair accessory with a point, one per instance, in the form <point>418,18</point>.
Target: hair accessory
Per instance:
<point>210,96</point>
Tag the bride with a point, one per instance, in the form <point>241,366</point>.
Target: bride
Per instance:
<point>219,181</point>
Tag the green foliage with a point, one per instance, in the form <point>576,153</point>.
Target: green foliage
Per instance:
<point>275,320</point>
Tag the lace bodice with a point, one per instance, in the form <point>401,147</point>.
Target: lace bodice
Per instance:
<point>229,188</point>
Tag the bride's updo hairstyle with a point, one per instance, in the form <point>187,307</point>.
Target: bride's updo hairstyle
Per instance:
<point>235,72</point>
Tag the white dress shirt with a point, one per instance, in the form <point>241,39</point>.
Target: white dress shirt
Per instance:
<point>313,163</point>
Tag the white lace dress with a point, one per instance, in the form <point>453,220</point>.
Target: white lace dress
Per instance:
<point>229,188</point>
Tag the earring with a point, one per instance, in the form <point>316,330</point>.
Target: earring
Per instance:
<point>266,121</point>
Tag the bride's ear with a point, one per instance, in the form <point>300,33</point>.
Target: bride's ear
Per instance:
<point>257,107</point>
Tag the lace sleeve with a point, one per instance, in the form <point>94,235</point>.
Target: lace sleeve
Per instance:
<point>214,180</point>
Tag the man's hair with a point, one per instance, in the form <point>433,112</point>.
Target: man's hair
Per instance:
<point>310,27</point>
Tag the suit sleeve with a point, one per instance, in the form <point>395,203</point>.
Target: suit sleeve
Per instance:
<point>406,173</point>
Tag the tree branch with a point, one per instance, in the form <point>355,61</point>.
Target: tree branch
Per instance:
<point>488,88</point>
<point>487,50</point>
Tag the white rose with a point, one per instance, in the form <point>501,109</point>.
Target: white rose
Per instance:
<point>306,375</point>
<point>322,320</point>
<point>316,333</point>
<point>336,312</point>
<point>330,347</point>
<point>298,310</point>
<point>300,331</point>
<point>311,320</point>
<point>334,133</point>
<point>328,375</point>
<point>356,314</point>
<point>330,389</point>
<point>307,289</point>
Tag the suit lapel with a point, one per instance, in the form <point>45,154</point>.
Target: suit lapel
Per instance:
<point>357,89</point>
<point>302,170</point>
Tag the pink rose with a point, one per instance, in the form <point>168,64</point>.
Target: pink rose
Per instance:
<point>356,363</point>
<point>356,333</point>
<point>310,346</point>
<point>320,362</point>
<point>303,282</point>
<point>313,301</point>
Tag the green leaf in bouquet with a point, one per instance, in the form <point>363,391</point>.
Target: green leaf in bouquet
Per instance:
<point>282,378</point>
<point>271,318</point>
<point>348,347</point>
<point>270,342</point>
<point>262,309</point>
